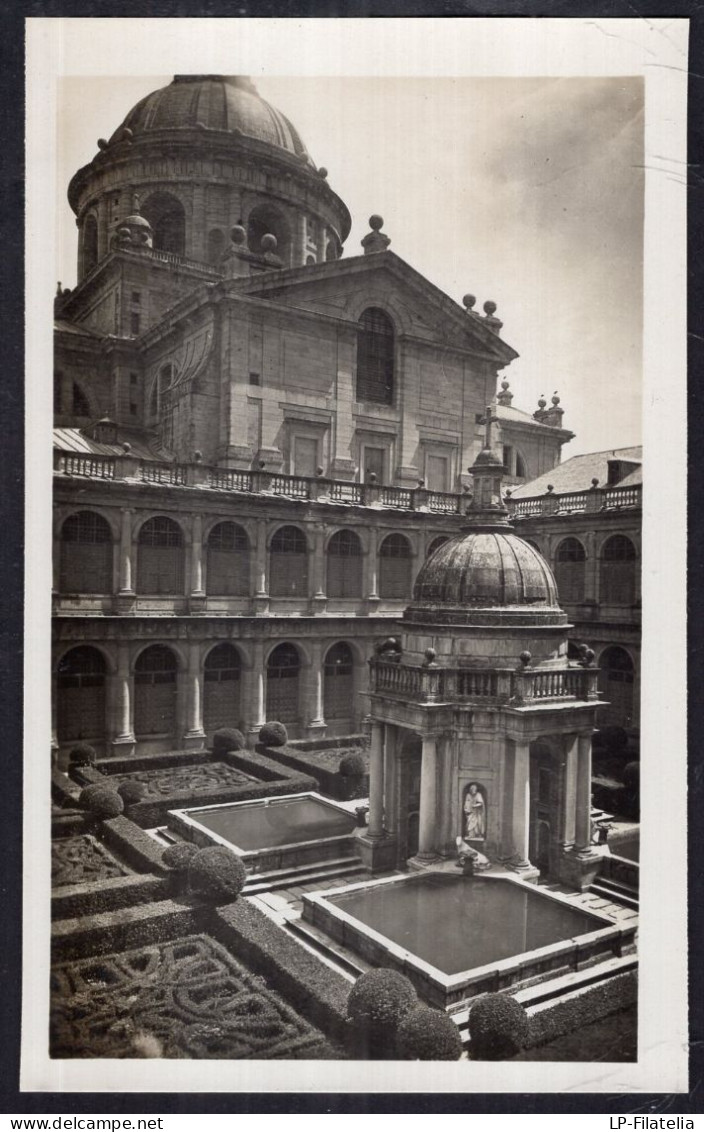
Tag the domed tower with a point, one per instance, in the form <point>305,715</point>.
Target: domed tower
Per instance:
<point>206,153</point>
<point>481,727</point>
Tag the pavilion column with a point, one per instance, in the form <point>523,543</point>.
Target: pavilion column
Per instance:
<point>390,780</point>
<point>314,706</point>
<point>123,700</point>
<point>428,798</point>
<point>259,697</point>
<point>126,553</point>
<point>569,795</point>
<point>317,581</point>
<point>520,818</point>
<point>261,570</point>
<point>372,586</point>
<point>197,557</point>
<point>376,781</point>
<point>583,809</point>
<point>194,693</point>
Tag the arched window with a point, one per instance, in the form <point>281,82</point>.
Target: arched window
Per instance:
<point>520,467</point>
<point>436,544</point>
<point>90,244</point>
<point>283,671</point>
<point>267,220</point>
<point>155,675</point>
<point>228,561</point>
<point>288,572</point>
<point>222,688</point>
<point>85,554</point>
<point>81,695</point>
<point>167,217</point>
<point>617,574</point>
<point>79,402</point>
<point>160,557</point>
<point>330,251</point>
<point>375,357</point>
<point>569,570</point>
<point>616,682</point>
<point>344,565</point>
<point>216,246</point>
<point>338,682</point>
<point>395,567</point>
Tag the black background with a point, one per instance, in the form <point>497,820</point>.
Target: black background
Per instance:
<point>12,441</point>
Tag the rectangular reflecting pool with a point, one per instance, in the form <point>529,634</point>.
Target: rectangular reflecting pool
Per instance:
<point>456,922</point>
<point>456,936</point>
<point>271,833</point>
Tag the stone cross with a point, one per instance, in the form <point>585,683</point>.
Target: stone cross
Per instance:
<point>488,421</point>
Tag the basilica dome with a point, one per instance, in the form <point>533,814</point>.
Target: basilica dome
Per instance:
<point>483,575</point>
<point>227,103</point>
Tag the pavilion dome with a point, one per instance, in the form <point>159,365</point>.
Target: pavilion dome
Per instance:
<point>484,576</point>
<point>227,103</point>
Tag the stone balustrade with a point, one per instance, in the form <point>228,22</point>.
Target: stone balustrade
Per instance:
<point>435,684</point>
<point>595,499</point>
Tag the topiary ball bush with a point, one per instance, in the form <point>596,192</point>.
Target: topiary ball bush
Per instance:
<point>273,735</point>
<point>377,1003</point>
<point>179,856</point>
<point>352,765</point>
<point>428,1035</point>
<point>131,791</point>
<point>498,1027</point>
<point>227,739</point>
<point>82,755</point>
<point>217,874</point>
<point>104,801</point>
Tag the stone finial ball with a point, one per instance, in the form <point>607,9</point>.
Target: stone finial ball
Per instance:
<point>551,487</point>
<point>525,658</point>
<point>468,301</point>
<point>126,447</point>
<point>269,242</point>
<point>504,385</point>
<point>430,655</point>
<point>322,172</point>
<point>376,222</point>
<point>319,470</point>
<point>197,456</point>
<point>489,307</point>
<point>595,481</point>
<point>102,143</point>
<point>238,234</point>
<point>555,399</point>
<point>541,402</point>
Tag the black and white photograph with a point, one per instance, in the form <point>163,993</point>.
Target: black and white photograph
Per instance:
<point>357,555</point>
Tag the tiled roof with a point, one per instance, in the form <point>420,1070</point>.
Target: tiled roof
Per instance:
<point>508,413</point>
<point>73,440</point>
<point>577,473</point>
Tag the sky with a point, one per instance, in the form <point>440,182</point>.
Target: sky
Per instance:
<point>525,191</point>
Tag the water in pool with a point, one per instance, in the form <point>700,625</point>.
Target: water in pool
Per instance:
<point>456,923</point>
<point>266,826</point>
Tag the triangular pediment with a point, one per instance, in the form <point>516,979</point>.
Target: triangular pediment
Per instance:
<point>344,288</point>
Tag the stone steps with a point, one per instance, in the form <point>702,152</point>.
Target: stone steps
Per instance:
<point>299,875</point>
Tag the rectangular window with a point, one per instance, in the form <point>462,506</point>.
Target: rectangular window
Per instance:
<point>254,379</point>
<point>133,379</point>
<point>305,456</point>
<point>136,297</point>
<point>437,473</point>
<point>134,323</point>
<point>133,409</point>
<point>373,463</point>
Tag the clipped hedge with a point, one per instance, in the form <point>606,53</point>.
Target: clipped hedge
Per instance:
<point>64,792</point>
<point>131,792</point>
<point>551,1020</point>
<point>103,801</point>
<point>227,739</point>
<point>378,1002</point>
<point>132,845</point>
<point>216,874</point>
<point>179,855</point>
<point>99,934</point>
<point>161,760</point>
<point>78,900</point>
<point>273,735</point>
<point>498,1027</point>
<point>428,1035</point>
<point>304,980</point>
<point>328,781</point>
<point>352,765</point>
<point>82,755</point>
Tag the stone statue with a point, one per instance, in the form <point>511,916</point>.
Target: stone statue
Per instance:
<point>474,814</point>
<point>468,859</point>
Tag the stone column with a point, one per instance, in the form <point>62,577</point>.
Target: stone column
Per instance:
<point>194,734</point>
<point>520,818</point>
<point>569,795</point>
<point>123,724</point>
<point>317,580</point>
<point>261,570</point>
<point>255,701</point>
<point>583,808</point>
<point>428,798</point>
<point>197,557</point>
<point>390,782</point>
<point>314,699</point>
<point>126,553</point>
<point>376,781</point>
<point>372,586</point>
